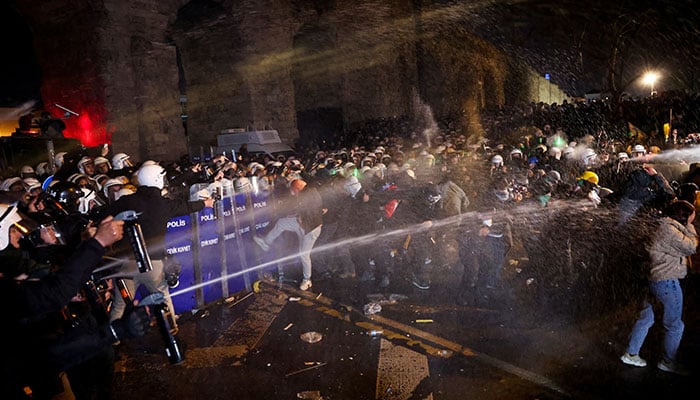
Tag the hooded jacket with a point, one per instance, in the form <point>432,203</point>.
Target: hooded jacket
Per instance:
<point>670,248</point>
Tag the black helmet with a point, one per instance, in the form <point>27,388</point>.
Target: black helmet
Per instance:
<point>432,195</point>
<point>67,194</point>
<point>46,232</point>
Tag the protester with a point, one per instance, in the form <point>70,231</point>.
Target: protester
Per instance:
<point>305,218</point>
<point>674,241</point>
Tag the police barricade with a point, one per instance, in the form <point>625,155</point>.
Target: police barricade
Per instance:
<point>215,246</point>
<point>178,244</point>
<point>263,215</point>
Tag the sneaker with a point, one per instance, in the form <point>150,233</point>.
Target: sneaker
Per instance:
<point>261,242</point>
<point>420,284</point>
<point>635,360</point>
<point>305,285</point>
<point>673,367</point>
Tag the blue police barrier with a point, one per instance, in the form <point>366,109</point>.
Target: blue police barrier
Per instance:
<point>178,244</point>
<point>262,215</point>
<point>243,214</point>
<point>236,262</point>
<point>209,255</point>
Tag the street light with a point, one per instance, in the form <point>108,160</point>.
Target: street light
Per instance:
<point>650,79</point>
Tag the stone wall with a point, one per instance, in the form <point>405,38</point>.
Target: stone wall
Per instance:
<point>258,65</point>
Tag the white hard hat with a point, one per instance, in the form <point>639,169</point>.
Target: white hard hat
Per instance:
<point>82,162</point>
<point>151,175</point>
<point>101,160</point>
<point>7,183</point>
<point>84,201</point>
<point>588,154</point>
<point>122,192</point>
<point>41,168</point>
<point>623,156</point>
<point>58,158</point>
<point>109,184</point>
<point>8,217</point>
<point>120,161</point>
<point>497,159</point>
<point>638,148</point>
<point>26,171</point>
<point>31,184</point>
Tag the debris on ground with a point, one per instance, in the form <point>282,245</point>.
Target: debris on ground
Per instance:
<point>372,308</point>
<point>311,337</point>
<point>310,395</point>
<point>381,299</point>
<point>305,369</point>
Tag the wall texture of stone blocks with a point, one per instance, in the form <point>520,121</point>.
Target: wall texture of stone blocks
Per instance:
<point>257,65</point>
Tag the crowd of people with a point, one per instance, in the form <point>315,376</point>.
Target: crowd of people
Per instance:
<point>394,200</point>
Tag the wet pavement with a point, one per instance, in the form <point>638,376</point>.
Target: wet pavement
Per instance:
<point>258,345</point>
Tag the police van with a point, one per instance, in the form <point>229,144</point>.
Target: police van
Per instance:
<point>266,142</point>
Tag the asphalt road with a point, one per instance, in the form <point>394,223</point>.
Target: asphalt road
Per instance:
<point>251,346</point>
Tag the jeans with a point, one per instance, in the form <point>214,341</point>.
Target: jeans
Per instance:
<point>306,240</point>
<point>670,295</point>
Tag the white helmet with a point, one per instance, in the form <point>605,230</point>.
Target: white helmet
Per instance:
<point>26,172</point>
<point>7,184</point>
<point>242,185</point>
<point>121,161</point>
<point>58,158</point>
<point>151,175</point>
<point>89,196</point>
<point>109,183</point>
<point>516,152</point>
<point>8,217</point>
<point>31,184</point>
<point>554,176</point>
<point>255,167</point>
<point>83,161</point>
<point>623,156</point>
<point>589,156</point>
<point>638,148</point>
<point>41,168</point>
<point>101,160</point>
<point>122,192</point>
<point>497,159</point>
<point>99,180</point>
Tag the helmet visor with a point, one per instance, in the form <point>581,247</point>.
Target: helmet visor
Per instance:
<point>46,234</point>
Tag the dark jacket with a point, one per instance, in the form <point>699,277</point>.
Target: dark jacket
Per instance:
<point>309,209</point>
<point>154,213</point>
<point>35,342</point>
